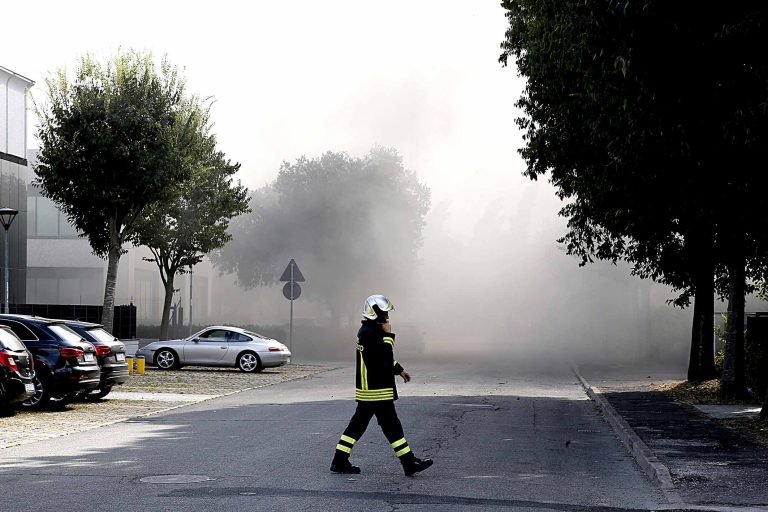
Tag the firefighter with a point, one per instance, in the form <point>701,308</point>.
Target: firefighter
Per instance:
<point>375,390</point>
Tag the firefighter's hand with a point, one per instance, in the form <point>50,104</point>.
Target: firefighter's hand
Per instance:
<point>406,376</point>
<point>387,327</point>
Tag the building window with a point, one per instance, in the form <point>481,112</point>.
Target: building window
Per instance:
<point>45,220</point>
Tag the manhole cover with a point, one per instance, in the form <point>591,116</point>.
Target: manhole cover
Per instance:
<point>174,479</point>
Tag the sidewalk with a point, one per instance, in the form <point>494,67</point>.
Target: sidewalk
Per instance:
<point>708,463</point>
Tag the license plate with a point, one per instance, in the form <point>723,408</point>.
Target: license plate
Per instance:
<point>120,356</point>
<point>29,388</point>
<point>88,357</point>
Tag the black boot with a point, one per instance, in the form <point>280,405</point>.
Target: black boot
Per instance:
<point>413,465</point>
<point>342,465</point>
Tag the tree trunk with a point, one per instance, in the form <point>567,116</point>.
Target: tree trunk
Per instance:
<point>733,382</point>
<point>694,361</point>
<point>108,313</point>
<point>168,300</point>
<point>701,365</point>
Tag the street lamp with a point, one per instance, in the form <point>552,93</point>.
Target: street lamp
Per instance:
<point>6,217</point>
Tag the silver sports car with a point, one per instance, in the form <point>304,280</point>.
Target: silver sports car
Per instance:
<point>218,345</point>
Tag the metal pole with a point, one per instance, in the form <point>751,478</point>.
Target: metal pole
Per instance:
<point>5,275</point>
<point>190,299</point>
<point>290,329</point>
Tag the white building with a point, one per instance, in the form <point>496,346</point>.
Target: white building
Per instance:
<point>14,176</point>
<point>62,269</point>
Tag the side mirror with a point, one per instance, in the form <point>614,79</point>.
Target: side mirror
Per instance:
<point>196,340</point>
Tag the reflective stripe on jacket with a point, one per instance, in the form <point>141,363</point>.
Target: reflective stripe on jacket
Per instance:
<point>376,365</point>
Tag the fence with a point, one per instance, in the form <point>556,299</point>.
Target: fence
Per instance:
<point>124,326</point>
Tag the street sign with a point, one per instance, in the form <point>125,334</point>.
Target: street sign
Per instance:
<point>292,273</point>
<point>292,291</point>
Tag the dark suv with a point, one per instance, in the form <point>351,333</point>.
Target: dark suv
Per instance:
<point>110,353</point>
<point>65,364</point>
<point>16,371</point>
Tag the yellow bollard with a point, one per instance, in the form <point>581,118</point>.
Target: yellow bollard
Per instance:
<point>129,360</point>
<point>140,365</point>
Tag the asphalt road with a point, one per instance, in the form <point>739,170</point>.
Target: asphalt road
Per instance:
<point>503,435</point>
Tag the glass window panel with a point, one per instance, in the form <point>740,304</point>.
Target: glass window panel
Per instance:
<point>101,335</point>
<point>32,216</point>
<point>20,330</point>
<point>216,336</point>
<point>10,341</point>
<point>65,333</point>
<point>66,229</point>
<point>47,217</point>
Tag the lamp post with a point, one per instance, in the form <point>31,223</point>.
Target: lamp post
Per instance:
<point>6,217</point>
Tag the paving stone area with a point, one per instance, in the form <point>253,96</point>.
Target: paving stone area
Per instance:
<point>158,391</point>
<point>708,462</point>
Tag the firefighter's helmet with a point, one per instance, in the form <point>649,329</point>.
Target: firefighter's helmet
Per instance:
<point>375,302</point>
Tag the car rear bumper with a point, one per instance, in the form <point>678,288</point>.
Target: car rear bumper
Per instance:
<point>77,378</point>
<point>273,359</point>
<point>113,375</point>
<point>15,389</point>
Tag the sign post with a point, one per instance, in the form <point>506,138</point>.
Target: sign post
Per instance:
<point>291,291</point>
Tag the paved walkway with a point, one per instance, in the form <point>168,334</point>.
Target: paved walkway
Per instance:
<point>150,393</point>
<point>709,464</point>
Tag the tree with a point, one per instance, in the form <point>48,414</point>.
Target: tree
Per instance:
<point>180,232</point>
<point>352,224</point>
<point>113,141</point>
<point>625,110</point>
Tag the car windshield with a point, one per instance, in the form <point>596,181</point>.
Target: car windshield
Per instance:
<point>101,335</point>
<point>65,333</point>
<point>10,341</point>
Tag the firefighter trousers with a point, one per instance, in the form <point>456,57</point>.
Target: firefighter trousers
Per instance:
<point>386,416</point>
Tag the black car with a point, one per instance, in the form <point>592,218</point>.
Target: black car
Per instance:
<point>110,353</point>
<point>16,371</point>
<point>65,364</point>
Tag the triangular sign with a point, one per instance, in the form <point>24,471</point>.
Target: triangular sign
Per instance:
<point>297,275</point>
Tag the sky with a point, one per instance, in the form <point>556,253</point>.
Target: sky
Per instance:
<point>304,77</point>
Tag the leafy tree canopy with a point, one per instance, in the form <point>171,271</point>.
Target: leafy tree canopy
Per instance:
<point>352,224</point>
<point>648,120</point>
<point>115,138</point>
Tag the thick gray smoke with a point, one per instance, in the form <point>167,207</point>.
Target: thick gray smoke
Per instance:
<point>502,286</point>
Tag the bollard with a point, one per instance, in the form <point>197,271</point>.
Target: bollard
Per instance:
<point>129,360</point>
<point>140,365</point>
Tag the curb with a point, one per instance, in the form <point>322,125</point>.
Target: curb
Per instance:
<point>649,464</point>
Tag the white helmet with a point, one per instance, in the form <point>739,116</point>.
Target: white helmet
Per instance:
<point>380,301</point>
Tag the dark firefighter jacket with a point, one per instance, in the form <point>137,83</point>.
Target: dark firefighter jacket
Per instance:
<point>376,365</point>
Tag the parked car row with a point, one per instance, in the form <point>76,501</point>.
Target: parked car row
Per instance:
<point>45,360</point>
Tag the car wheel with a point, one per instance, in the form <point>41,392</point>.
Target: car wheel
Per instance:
<point>40,397</point>
<point>166,359</point>
<point>98,394</point>
<point>249,362</point>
